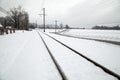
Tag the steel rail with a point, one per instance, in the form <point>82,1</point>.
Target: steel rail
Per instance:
<point>90,60</point>
<point>61,72</point>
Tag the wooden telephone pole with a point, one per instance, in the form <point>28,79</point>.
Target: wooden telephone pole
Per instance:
<point>44,18</point>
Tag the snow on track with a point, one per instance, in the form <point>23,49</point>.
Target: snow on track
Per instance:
<point>103,53</point>
<point>61,72</point>
<point>90,60</point>
<point>74,66</point>
<point>23,56</point>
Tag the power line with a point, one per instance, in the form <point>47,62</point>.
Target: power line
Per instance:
<point>42,3</point>
<point>3,10</point>
<point>6,12</point>
<point>42,6</point>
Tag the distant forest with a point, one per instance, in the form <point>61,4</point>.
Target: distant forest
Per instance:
<point>107,27</point>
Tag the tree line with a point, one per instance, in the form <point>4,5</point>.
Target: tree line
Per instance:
<point>18,19</point>
<point>117,27</point>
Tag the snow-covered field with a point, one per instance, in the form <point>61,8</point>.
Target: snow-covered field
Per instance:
<point>23,56</point>
<point>74,66</point>
<point>109,35</point>
<point>103,53</point>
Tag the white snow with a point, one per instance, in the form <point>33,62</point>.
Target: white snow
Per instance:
<point>101,52</point>
<point>74,66</point>
<point>23,56</point>
<point>110,35</point>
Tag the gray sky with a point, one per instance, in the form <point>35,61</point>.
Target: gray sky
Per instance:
<point>78,13</point>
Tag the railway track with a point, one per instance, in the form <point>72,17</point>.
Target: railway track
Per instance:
<point>58,67</point>
<point>61,72</point>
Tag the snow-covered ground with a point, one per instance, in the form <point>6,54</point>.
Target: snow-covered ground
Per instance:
<point>101,52</point>
<point>75,67</point>
<point>23,56</point>
<point>109,35</point>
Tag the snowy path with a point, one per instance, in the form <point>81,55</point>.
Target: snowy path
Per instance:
<point>103,53</point>
<point>32,62</point>
<point>74,66</point>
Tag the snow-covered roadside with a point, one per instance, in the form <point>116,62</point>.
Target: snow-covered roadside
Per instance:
<point>107,35</point>
<point>103,53</point>
<point>23,56</point>
<point>10,47</point>
<point>74,66</point>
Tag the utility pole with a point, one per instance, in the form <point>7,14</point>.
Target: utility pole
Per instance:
<point>36,24</point>
<point>43,18</point>
<point>55,25</point>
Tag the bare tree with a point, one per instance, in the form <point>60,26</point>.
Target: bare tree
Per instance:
<point>25,21</point>
<point>67,27</point>
<point>3,22</point>
<point>19,18</point>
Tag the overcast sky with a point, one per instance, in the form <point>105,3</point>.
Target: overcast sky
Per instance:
<point>76,13</point>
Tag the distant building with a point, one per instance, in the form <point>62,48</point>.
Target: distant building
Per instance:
<point>1,26</point>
